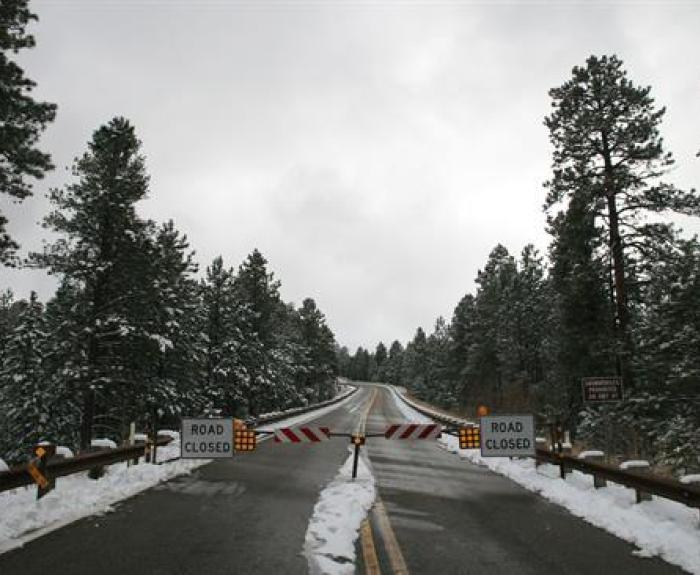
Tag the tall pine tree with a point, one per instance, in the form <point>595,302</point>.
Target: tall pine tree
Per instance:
<point>610,157</point>
<point>22,118</point>
<point>103,250</point>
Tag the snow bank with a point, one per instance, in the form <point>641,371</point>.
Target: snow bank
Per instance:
<point>635,464</point>
<point>658,527</point>
<point>3,465</point>
<point>590,453</point>
<point>24,518</point>
<point>103,443</point>
<point>334,527</point>
<point>64,451</point>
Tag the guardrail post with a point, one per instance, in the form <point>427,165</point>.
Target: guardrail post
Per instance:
<point>99,470</point>
<point>154,436</point>
<point>563,468</point>
<point>638,467</point>
<point>132,441</point>
<point>596,457</point>
<point>540,443</point>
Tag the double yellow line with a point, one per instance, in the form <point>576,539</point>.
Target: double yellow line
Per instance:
<point>391,545</point>
<point>362,423</point>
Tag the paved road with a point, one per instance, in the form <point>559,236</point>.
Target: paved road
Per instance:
<point>249,516</point>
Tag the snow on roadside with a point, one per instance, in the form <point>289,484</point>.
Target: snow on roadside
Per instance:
<point>25,518</point>
<point>658,527</point>
<point>335,524</point>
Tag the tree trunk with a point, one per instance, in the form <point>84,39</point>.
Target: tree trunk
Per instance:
<point>87,419</point>
<point>624,347</point>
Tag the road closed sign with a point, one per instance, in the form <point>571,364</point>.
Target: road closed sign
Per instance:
<point>507,435</point>
<point>203,438</point>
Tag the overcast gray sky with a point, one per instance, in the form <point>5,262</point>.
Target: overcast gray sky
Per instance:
<point>375,152</point>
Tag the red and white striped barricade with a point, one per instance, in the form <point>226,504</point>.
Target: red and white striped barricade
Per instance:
<point>305,434</point>
<point>413,431</point>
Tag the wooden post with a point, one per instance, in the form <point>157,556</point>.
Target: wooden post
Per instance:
<point>540,443</point>
<point>132,441</point>
<point>638,467</point>
<point>596,457</point>
<point>155,435</point>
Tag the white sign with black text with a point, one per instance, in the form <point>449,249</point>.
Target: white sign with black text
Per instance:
<point>206,438</point>
<point>508,435</point>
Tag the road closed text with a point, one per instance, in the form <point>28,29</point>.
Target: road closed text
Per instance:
<point>518,443</point>
<point>207,448</point>
<point>508,435</point>
<point>207,438</point>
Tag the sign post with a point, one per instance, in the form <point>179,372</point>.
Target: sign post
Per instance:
<point>206,438</point>
<point>508,435</point>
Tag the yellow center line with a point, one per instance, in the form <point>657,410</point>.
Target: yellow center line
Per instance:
<point>391,545</point>
<point>398,564</point>
<point>369,552</point>
<point>363,420</point>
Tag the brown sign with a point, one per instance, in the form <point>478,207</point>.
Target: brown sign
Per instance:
<point>601,389</point>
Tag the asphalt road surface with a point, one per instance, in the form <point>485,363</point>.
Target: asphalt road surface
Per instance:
<point>435,514</point>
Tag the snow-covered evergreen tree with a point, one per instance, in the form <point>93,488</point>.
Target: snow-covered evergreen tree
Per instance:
<point>22,118</point>
<point>102,250</point>
<point>25,395</point>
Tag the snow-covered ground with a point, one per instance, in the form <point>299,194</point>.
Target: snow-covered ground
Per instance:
<point>658,527</point>
<point>335,524</point>
<point>24,518</point>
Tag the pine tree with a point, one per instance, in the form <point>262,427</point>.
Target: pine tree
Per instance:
<point>319,343</point>
<point>666,409</point>
<point>439,386</point>
<point>394,368</point>
<point>104,251</point>
<point>172,344</point>
<point>609,156</point>
<point>344,360</point>
<point>492,362</point>
<point>380,359</point>
<point>462,340</point>
<point>231,346</point>
<point>22,381</point>
<point>415,363</point>
<point>22,119</point>
<point>257,292</point>
<point>582,339</point>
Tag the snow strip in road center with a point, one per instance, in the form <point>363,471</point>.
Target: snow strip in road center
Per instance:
<point>335,524</point>
<point>659,527</point>
<point>23,518</point>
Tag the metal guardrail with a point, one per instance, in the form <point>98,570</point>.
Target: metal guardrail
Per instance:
<point>660,486</point>
<point>18,476</point>
<point>301,410</point>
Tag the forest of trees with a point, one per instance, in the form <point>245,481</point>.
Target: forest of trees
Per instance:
<point>132,332</point>
<point>618,294</point>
